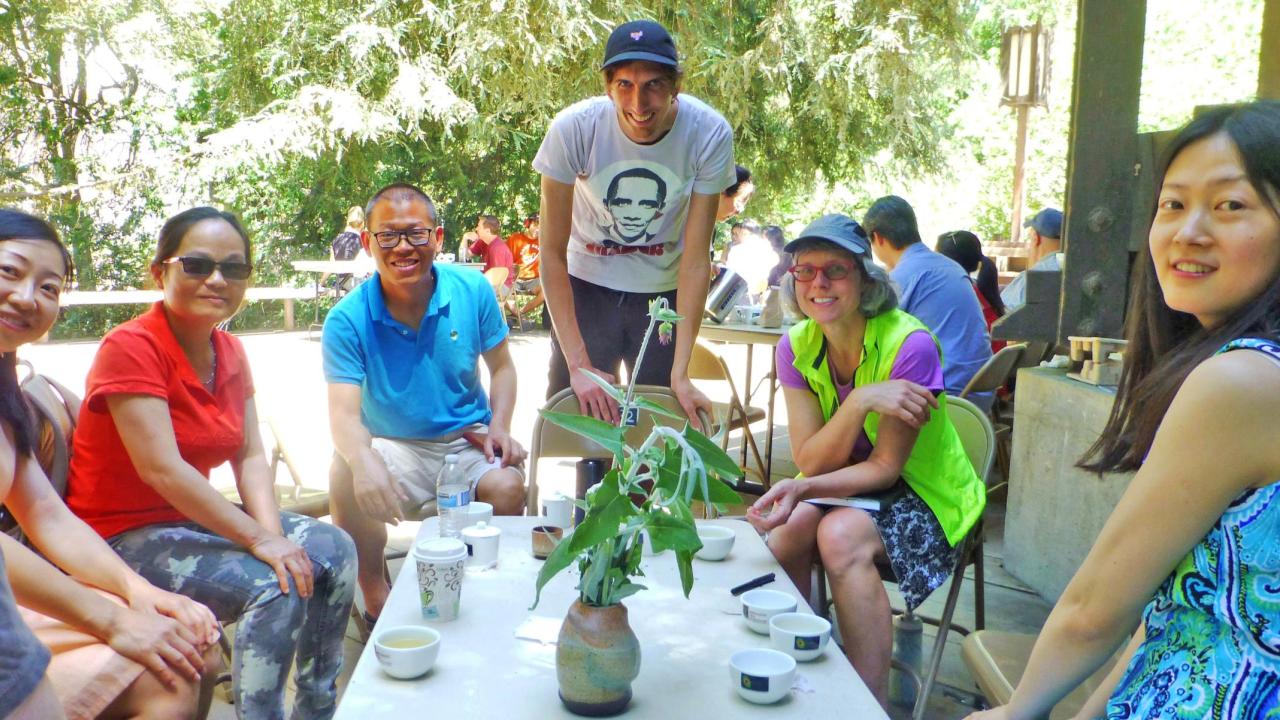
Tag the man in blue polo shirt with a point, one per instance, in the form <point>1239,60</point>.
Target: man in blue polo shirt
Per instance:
<point>401,357</point>
<point>935,289</point>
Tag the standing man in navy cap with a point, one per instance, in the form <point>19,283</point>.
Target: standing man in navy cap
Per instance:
<point>1046,254</point>
<point>631,181</point>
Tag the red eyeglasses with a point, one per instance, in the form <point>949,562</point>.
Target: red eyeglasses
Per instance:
<point>831,271</point>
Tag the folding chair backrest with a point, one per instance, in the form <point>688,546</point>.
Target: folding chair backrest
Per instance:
<point>976,434</point>
<point>552,441</point>
<point>995,372</point>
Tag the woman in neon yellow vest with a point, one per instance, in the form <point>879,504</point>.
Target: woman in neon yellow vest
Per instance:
<point>861,381</point>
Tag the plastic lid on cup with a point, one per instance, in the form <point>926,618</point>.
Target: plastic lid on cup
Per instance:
<point>443,549</point>
<point>481,529</point>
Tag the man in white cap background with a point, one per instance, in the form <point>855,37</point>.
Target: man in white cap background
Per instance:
<point>631,182</point>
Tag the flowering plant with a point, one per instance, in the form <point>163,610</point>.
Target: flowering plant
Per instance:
<point>649,490</point>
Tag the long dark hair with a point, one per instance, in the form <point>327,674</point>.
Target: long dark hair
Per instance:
<point>1166,345</point>
<point>14,411</point>
<point>965,248</point>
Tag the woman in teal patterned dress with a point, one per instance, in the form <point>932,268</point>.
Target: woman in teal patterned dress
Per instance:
<point>1189,561</point>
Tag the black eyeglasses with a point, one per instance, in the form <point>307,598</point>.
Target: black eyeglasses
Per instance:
<point>388,239</point>
<point>204,267</point>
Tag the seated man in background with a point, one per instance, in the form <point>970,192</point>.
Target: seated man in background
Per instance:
<point>499,264</point>
<point>401,356</point>
<point>1045,254</point>
<point>934,289</point>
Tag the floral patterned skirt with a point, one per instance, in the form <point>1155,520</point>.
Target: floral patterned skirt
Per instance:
<point>917,547</point>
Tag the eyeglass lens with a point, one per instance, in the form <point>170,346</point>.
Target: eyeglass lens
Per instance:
<point>832,271</point>
<point>203,267</point>
<point>388,239</point>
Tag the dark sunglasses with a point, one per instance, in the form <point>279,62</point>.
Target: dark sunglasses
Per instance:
<point>832,271</point>
<point>204,267</point>
<point>388,239</point>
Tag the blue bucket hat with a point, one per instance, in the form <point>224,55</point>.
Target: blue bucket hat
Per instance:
<point>640,40</point>
<point>841,230</point>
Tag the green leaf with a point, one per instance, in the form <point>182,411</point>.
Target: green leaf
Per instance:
<point>602,433</point>
<point>646,404</point>
<point>559,559</point>
<point>717,461</point>
<point>625,590</point>
<point>672,533</point>
<point>667,473</point>
<point>609,510</point>
<point>684,561</point>
<point>720,492</point>
<point>608,387</point>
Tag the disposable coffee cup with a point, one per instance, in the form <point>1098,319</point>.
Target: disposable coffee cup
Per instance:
<point>440,569</point>
<point>482,545</point>
<point>558,511</point>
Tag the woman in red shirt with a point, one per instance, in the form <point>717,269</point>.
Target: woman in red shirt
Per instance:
<point>169,397</point>
<point>965,248</point>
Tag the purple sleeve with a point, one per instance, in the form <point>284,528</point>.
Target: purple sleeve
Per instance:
<point>788,376</point>
<point>917,361</point>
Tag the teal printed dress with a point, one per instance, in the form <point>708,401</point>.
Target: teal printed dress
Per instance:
<point>1212,647</point>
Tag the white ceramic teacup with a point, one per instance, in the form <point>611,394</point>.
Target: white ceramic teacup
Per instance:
<point>717,541</point>
<point>801,635</point>
<point>407,651</point>
<point>760,604</point>
<point>478,511</point>
<point>558,510</point>
<point>761,675</point>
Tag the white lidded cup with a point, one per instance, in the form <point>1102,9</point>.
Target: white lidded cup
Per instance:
<point>558,509</point>
<point>482,545</point>
<point>440,569</point>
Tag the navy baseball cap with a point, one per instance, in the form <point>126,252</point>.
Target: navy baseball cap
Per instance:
<point>1047,222</point>
<point>842,230</point>
<point>640,40</point>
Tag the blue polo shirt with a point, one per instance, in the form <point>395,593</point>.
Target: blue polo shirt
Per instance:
<point>936,290</point>
<point>416,383</point>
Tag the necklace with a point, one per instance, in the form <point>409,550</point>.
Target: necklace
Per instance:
<point>213,369</point>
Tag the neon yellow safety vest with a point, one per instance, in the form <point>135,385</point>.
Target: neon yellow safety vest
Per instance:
<point>938,469</point>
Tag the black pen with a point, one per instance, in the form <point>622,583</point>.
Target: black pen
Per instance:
<point>751,584</point>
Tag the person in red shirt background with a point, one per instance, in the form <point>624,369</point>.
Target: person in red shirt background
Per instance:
<point>528,280</point>
<point>965,248</point>
<point>499,264</point>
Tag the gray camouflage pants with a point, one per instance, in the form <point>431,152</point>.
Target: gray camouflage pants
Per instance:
<point>270,625</point>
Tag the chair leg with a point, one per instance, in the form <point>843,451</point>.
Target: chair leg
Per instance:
<point>979,590</point>
<point>939,644</point>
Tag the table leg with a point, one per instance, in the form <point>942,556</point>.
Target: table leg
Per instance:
<point>746,402</point>
<point>768,441</point>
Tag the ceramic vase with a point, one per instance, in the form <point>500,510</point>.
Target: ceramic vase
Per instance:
<point>596,659</point>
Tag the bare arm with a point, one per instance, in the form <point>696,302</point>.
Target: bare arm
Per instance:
<point>76,549</point>
<point>693,280</point>
<point>161,644</point>
<point>880,470</point>
<point>557,219</point>
<point>820,447</point>
<point>502,399</point>
<point>376,493</point>
<point>146,430</point>
<point>1194,470</point>
<point>1096,705</point>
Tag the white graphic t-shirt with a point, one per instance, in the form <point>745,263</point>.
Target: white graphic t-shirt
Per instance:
<point>630,201</point>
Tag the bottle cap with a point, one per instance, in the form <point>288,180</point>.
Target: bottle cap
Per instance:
<point>451,458</point>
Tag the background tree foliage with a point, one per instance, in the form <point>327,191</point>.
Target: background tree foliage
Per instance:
<point>122,112</point>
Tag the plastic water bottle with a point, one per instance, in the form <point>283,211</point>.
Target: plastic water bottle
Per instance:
<point>453,495</point>
<point>907,633</point>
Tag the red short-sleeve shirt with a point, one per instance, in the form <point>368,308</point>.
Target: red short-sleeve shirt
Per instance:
<point>143,357</point>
